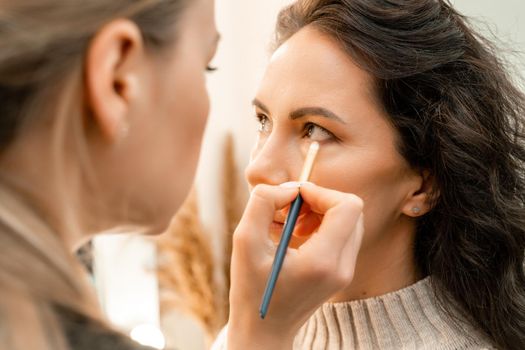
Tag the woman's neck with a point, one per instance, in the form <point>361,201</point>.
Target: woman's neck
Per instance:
<point>385,266</point>
<point>29,169</point>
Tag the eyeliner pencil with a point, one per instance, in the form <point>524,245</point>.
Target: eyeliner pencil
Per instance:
<point>286,235</point>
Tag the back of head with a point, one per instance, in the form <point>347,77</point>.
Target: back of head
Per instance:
<point>459,116</point>
<point>42,52</point>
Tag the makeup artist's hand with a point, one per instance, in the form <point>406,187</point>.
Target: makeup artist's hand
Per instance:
<point>311,274</point>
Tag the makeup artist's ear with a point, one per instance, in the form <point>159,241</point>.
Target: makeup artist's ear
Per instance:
<point>418,201</point>
<point>112,76</point>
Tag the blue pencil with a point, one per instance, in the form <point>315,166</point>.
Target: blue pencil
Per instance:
<point>288,229</point>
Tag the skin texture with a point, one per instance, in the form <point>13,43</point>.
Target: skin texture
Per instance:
<point>311,273</point>
<point>133,88</point>
<point>145,113</point>
<point>358,155</point>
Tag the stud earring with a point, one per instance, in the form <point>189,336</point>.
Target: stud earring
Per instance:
<point>123,131</point>
<point>416,210</point>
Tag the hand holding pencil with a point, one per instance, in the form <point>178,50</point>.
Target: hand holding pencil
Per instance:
<point>288,229</point>
<point>309,275</point>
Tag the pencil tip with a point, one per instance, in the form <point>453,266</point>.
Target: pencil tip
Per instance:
<point>262,314</point>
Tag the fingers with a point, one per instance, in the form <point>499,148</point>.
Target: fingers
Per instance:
<point>307,224</point>
<point>322,199</point>
<point>336,216</point>
<point>255,223</point>
<point>339,235</point>
<point>351,249</point>
<point>323,265</point>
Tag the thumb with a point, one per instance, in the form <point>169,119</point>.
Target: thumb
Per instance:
<point>252,233</point>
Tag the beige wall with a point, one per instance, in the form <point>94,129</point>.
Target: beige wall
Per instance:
<point>246,28</point>
<point>503,18</point>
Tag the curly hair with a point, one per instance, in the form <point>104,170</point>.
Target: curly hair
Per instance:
<point>459,115</point>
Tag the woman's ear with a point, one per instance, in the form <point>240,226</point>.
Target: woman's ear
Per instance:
<point>419,200</point>
<point>112,72</point>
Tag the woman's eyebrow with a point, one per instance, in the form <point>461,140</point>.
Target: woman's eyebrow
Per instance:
<point>303,112</point>
<point>260,105</point>
<point>319,111</point>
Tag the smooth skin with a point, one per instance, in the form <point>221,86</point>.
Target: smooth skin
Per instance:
<point>310,275</point>
<point>144,116</point>
<point>313,91</point>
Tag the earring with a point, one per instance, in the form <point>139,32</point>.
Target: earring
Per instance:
<point>416,210</point>
<point>123,131</point>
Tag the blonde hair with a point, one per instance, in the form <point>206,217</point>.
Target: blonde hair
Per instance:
<point>42,49</point>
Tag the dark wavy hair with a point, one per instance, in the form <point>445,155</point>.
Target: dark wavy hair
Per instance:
<point>459,115</point>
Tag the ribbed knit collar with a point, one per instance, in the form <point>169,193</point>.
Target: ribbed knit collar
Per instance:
<point>406,319</point>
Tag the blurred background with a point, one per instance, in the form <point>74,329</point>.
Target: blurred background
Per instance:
<point>141,282</point>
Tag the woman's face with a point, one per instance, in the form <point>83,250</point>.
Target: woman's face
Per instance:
<point>179,99</point>
<point>312,91</point>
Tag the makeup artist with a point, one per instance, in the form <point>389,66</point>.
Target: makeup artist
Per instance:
<point>103,107</point>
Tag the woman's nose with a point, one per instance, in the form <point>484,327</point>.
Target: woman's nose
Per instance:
<point>269,164</point>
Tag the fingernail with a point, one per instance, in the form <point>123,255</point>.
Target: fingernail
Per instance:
<point>291,184</point>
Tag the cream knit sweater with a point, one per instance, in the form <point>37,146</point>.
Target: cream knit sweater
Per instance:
<point>405,319</point>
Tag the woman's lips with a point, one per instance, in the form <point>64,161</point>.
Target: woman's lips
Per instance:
<point>276,225</point>
<point>276,230</point>
<point>306,224</point>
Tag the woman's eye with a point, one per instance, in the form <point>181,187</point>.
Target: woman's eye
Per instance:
<point>317,133</point>
<point>264,124</point>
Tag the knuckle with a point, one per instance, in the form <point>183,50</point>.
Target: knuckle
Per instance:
<point>356,201</point>
<point>323,270</point>
<point>238,237</point>
<point>241,235</point>
<point>344,277</point>
<point>262,191</point>
<point>353,203</point>
<point>259,191</point>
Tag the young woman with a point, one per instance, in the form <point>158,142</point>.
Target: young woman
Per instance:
<point>416,115</point>
<point>103,106</point>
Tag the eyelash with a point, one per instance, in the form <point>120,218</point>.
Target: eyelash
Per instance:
<point>307,127</point>
<point>211,69</point>
<point>262,119</point>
